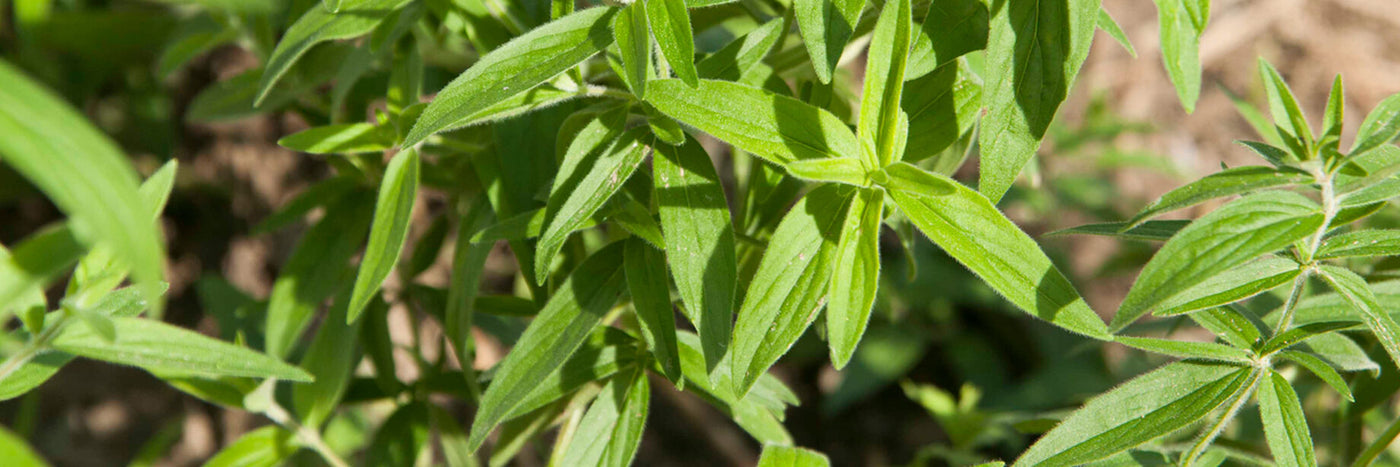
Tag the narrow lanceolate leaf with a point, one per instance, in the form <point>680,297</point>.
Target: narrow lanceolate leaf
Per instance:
<point>1285,427</point>
<point>951,29</point>
<point>586,179</point>
<point>1149,231</point>
<point>316,268</point>
<point>1187,349</point>
<point>349,138</point>
<point>969,228</point>
<point>942,106</point>
<point>263,447</point>
<point>515,67</point>
<point>611,430</point>
<point>1227,237</point>
<point>790,287</point>
<point>1359,294</point>
<point>1381,126</point>
<point>1284,107</point>
<point>1232,285</point>
<point>757,414</point>
<point>884,82</point>
<point>17,452</point>
<point>1110,26</point>
<point>670,23</point>
<point>645,267</point>
<point>846,170</point>
<point>1321,369</point>
<point>856,276</point>
<point>1180,37</point>
<point>1231,325</point>
<point>355,18</point>
<point>1302,333</point>
<point>560,328</point>
<point>392,213</point>
<point>331,358</point>
<point>1034,51</point>
<point>160,347</point>
<point>402,439</point>
<point>35,262</point>
<point>1232,181</point>
<point>775,455</point>
<point>736,58</point>
<point>82,172</point>
<point>633,39</point>
<point>777,128</point>
<point>826,25</point>
<point>468,263</point>
<point>699,241</point>
<point>1149,406</point>
<point>1361,243</point>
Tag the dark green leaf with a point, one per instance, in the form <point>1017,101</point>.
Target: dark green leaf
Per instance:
<point>1360,243</point>
<point>651,296</point>
<point>1285,426</point>
<point>633,38</point>
<point>942,106</point>
<point>1381,126</point>
<point>1301,333</point>
<point>1187,349</point>
<point>1238,283</point>
<point>1321,369</point>
<point>1151,231</point>
<point>951,29</point>
<point>587,178</point>
<point>736,58</point>
<point>402,439</point>
<point>1232,181</point>
<point>355,18</point>
<point>161,347</point>
<point>611,430</point>
<point>331,358</point>
<point>392,212</point>
<point>826,25</point>
<point>1359,294</point>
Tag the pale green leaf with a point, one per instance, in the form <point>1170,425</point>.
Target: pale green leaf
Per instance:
<point>1034,51</point>
<point>161,347</point>
<point>1359,294</point>
<point>515,67</point>
<point>39,259</point>
<point>16,452</point>
<point>393,211</point>
<point>775,455</point>
<point>645,267</point>
<point>670,23</point>
<point>826,25</point>
<point>1232,285</point>
<point>1283,106</point>
<point>1232,181</point>
<point>1381,126</point>
<point>846,170</point>
<point>348,138</point>
<point>856,276</point>
<point>355,18</point>
<point>1180,39</point>
<point>1227,237</point>
<point>910,179</point>
<point>969,228</point>
<point>264,447</point>
<point>1361,243</point>
<point>1187,349</point>
<point>1147,407</point>
<point>1110,26</point>
<point>884,82</point>
<point>1285,426</point>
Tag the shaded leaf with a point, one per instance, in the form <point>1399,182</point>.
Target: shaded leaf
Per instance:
<point>856,276</point>
<point>1355,290</point>
<point>951,29</point>
<point>355,18</point>
<point>392,212</point>
<point>1151,231</point>
<point>1232,181</point>
<point>826,25</point>
<point>645,268</point>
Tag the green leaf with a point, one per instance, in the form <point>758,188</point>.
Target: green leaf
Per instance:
<point>826,25</point>
<point>348,138</point>
<point>1034,51</point>
<point>192,38</point>
<point>587,177</point>
<point>848,170</point>
<point>636,219</point>
<point>393,211</point>
<point>17,452</point>
<point>316,269</point>
<point>1110,26</point>
<point>403,438</point>
<point>757,413</point>
<point>83,173</point>
<point>670,23</point>
<point>36,261</point>
<point>633,38</point>
<point>1227,237</point>
<point>1380,127</point>
<point>651,296</point>
<point>775,455</point>
<point>1187,349</point>
<point>468,265</point>
<point>951,29</point>
<point>790,287</point>
<point>1342,353</point>
<point>1180,38</point>
<point>1238,283</point>
<point>515,67</point>
<point>560,328</point>
<point>605,353</point>
<point>856,276</point>
<point>611,429</point>
<point>1355,290</point>
<point>735,59</point>
<point>161,347</point>
<point>942,106</point>
<point>969,228</point>
<point>1147,407</point>
<point>1321,369</point>
<point>1275,155</point>
<point>1361,243</point>
<point>1284,107</point>
<point>1230,325</point>
<point>777,128</point>
<point>356,18</point>
<point>331,358</point>
<point>1232,181</point>
<point>264,447</point>
<point>320,194</point>
<point>1331,140</point>
<point>1301,333</point>
<point>450,436</point>
<point>910,179</point>
<point>1285,426</point>
<point>699,237</point>
<point>1150,231</point>
<point>884,82</point>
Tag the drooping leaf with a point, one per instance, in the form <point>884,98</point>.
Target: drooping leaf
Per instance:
<point>1232,181</point>
<point>775,455</point>
<point>560,328</point>
<point>158,346</point>
<point>1285,427</point>
<point>1034,51</point>
<point>1355,290</point>
<point>588,177</point>
<point>969,228</point>
<point>348,138</point>
<point>951,29</point>
<point>670,24</point>
<point>355,18</point>
<point>1232,285</point>
<point>777,128</point>
<point>645,267</point>
<point>856,276</point>
<point>791,285</point>
<point>1227,237</point>
<point>942,106</point>
<point>1138,411</point>
<point>611,429</point>
<point>1180,37</point>
<point>699,241</point>
<point>1381,126</point>
<point>826,25</point>
<point>392,212</point>
<point>515,67</point>
<point>884,82</point>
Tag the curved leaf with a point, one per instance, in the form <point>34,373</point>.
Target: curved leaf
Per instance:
<point>392,213</point>
<point>1232,181</point>
<point>884,82</point>
<point>1285,427</point>
<point>1232,285</point>
<point>856,276</point>
<point>160,347</point>
<point>826,25</point>
<point>645,268</point>
<point>670,23</point>
<point>355,18</point>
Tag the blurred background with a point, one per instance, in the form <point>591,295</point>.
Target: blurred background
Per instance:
<point>948,374</point>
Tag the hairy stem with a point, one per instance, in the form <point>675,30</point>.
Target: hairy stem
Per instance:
<point>1190,457</point>
<point>1376,448</point>
<point>307,435</point>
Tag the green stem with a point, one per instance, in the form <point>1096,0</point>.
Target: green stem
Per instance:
<point>307,435</point>
<point>1292,303</point>
<point>1376,448</point>
<point>1199,448</point>
<point>32,348</point>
